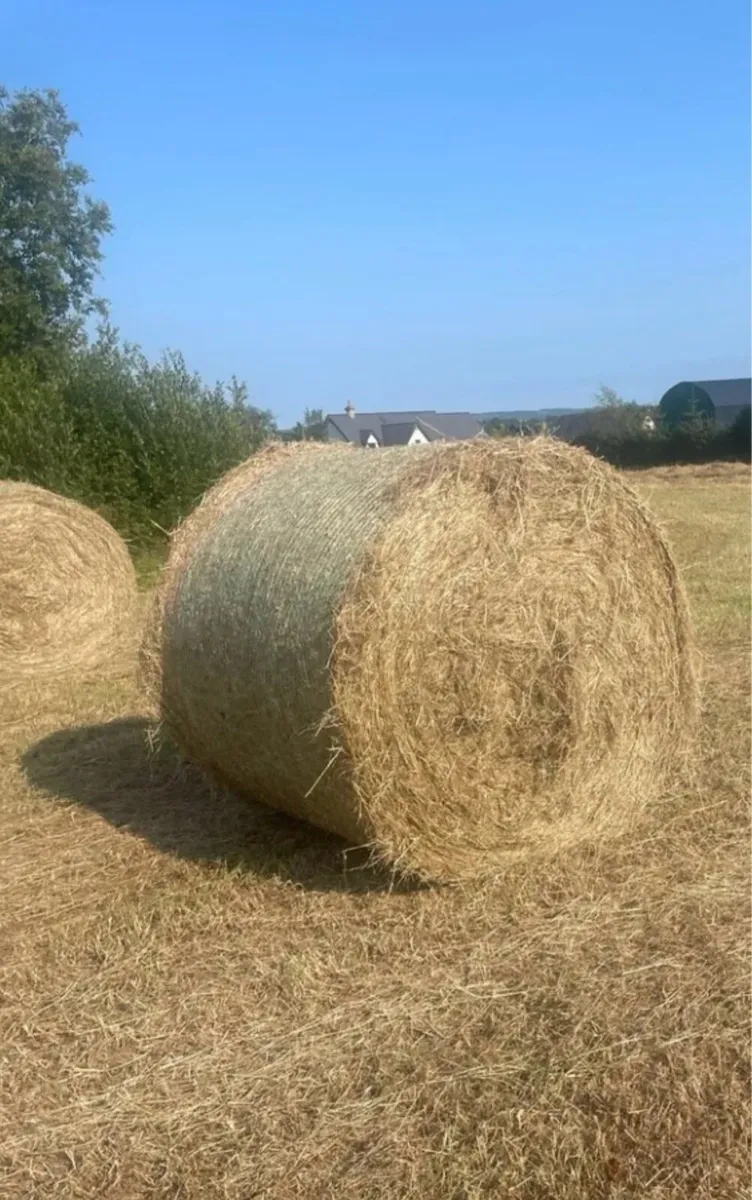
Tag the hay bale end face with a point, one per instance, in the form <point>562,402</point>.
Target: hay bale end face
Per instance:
<point>68,591</point>
<point>457,654</point>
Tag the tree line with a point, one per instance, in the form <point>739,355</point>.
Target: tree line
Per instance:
<point>628,434</point>
<point>90,416</point>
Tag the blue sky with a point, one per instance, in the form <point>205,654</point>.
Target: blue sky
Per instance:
<point>429,204</point>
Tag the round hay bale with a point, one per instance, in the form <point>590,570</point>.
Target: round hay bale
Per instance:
<point>185,539</point>
<point>68,593</point>
<point>457,654</point>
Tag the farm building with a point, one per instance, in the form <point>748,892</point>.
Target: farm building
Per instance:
<point>374,430</point>
<point>719,399</point>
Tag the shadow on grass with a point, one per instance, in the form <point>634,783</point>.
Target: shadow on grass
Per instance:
<point>151,792</point>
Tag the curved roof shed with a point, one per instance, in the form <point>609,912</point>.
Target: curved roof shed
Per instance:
<point>720,400</point>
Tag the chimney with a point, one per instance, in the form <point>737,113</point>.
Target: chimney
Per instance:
<point>350,409</point>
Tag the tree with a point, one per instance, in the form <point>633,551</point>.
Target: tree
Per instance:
<point>614,416</point>
<point>507,427</point>
<point>608,397</point>
<point>138,440</point>
<point>50,228</point>
<point>685,402</point>
<point>311,428</point>
<point>742,428</point>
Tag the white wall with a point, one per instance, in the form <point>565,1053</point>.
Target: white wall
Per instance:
<point>417,438</point>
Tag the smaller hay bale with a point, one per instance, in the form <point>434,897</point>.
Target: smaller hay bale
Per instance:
<point>68,594</point>
<point>459,655</point>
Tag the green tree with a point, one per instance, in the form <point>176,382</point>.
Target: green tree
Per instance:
<point>312,428</point>
<point>138,440</point>
<point>608,397</point>
<point>50,228</point>
<point>742,428</point>
<point>614,416</point>
<point>506,427</point>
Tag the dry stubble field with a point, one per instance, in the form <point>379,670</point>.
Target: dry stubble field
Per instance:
<point>200,1000</point>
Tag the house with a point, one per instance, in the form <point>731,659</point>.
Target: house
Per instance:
<point>373,430</point>
<point>721,400</point>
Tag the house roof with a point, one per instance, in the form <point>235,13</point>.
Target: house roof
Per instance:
<point>395,428</point>
<point>397,433</point>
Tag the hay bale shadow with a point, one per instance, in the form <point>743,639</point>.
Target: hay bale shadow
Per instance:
<point>154,794</point>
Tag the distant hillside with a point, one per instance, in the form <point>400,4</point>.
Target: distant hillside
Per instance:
<point>528,414</point>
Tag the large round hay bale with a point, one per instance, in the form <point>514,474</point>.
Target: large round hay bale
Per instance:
<point>456,654</point>
<point>184,541</point>
<point>67,587</point>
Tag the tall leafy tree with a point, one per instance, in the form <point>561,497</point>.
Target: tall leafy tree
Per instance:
<point>50,227</point>
<point>608,397</point>
<point>312,428</point>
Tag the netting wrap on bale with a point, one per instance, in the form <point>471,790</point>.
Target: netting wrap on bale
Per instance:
<point>185,539</point>
<point>68,593</point>
<point>455,654</point>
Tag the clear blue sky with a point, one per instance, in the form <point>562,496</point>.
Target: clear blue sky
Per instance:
<point>429,204</point>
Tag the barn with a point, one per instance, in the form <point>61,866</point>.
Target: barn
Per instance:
<point>720,400</point>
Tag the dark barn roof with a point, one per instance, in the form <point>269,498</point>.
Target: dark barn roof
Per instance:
<point>725,393</point>
<point>720,399</point>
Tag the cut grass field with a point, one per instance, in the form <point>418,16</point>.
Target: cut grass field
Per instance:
<point>200,999</point>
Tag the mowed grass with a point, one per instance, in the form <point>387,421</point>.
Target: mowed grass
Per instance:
<point>200,999</point>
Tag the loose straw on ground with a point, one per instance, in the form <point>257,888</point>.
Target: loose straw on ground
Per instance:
<point>457,654</point>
